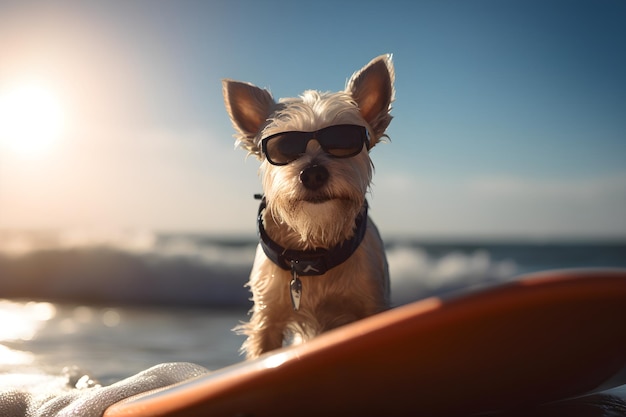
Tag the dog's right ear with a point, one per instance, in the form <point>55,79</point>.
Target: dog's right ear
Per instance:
<point>248,107</point>
<point>373,91</point>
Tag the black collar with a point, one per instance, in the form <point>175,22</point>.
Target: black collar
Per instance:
<point>311,262</point>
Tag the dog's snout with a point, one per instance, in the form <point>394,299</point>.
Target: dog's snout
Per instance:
<point>314,176</point>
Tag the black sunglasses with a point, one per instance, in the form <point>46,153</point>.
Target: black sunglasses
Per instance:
<point>339,141</point>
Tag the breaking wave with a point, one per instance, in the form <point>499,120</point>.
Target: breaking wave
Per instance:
<point>197,270</point>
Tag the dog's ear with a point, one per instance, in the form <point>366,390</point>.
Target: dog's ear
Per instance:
<point>248,107</point>
<point>372,89</point>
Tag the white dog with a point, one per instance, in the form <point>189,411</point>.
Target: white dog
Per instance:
<point>320,263</point>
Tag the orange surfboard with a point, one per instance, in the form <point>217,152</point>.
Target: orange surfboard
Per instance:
<point>542,338</point>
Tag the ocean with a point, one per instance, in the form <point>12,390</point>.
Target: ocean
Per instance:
<point>110,305</point>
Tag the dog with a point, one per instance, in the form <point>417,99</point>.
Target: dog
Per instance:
<point>320,263</point>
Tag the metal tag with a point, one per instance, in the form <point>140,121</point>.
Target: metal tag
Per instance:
<point>295,288</point>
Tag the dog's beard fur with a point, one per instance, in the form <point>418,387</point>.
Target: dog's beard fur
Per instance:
<point>302,218</point>
<point>313,219</point>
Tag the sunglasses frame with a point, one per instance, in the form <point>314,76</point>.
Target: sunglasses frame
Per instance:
<point>313,135</point>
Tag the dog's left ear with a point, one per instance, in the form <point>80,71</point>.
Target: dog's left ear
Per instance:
<point>248,107</point>
<point>372,89</point>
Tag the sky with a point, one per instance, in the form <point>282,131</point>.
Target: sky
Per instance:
<point>509,118</point>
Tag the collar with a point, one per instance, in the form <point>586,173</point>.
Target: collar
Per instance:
<point>311,262</point>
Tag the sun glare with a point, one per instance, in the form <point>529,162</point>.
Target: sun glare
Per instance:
<point>31,118</point>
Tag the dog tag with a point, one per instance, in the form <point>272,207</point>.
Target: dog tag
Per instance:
<point>295,288</point>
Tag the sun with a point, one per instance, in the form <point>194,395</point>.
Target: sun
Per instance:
<point>31,118</point>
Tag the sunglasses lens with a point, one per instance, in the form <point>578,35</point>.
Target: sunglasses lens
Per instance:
<point>342,141</point>
<point>282,148</point>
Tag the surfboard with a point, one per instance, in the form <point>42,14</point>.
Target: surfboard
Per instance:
<point>542,338</point>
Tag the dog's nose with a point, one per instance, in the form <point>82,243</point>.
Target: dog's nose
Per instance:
<point>314,177</point>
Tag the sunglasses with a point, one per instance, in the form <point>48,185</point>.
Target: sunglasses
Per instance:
<point>339,141</point>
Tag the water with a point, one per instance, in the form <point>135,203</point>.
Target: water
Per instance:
<point>139,269</point>
<point>111,343</point>
<point>112,305</point>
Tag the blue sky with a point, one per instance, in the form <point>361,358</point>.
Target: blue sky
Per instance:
<point>509,119</point>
